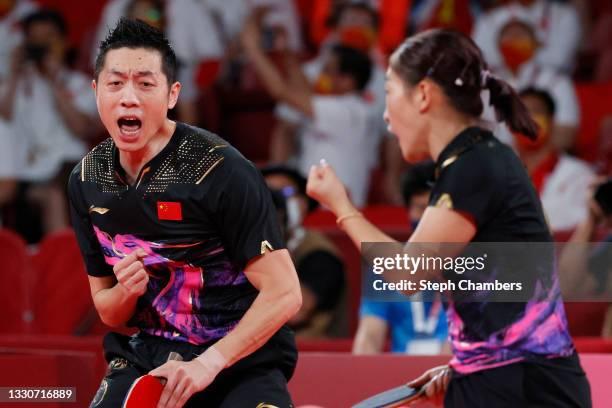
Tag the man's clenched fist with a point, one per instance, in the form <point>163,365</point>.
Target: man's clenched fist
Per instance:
<point>131,273</point>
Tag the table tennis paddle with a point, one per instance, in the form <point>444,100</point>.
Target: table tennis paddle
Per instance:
<point>393,397</point>
<point>146,391</point>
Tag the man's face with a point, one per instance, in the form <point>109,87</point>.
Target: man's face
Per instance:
<point>540,114</point>
<point>47,36</point>
<point>331,80</point>
<point>517,44</point>
<point>133,96</point>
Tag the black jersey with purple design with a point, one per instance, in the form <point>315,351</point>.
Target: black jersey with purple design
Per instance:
<point>483,179</point>
<point>199,209</point>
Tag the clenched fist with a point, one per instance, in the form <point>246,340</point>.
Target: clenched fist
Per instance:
<point>131,273</point>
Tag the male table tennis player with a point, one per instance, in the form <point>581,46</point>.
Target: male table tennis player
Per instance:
<point>180,238</point>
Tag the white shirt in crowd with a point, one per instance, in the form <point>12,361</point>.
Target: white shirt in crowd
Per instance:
<point>374,101</point>
<point>10,33</point>
<point>565,193</point>
<point>557,27</point>
<point>37,136</point>
<point>340,133</point>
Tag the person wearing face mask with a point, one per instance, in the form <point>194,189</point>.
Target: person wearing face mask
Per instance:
<point>317,260</point>
<point>51,109</point>
<point>557,25</point>
<point>393,17</point>
<point>339,124</point>
<point>561,180</point>
<point>356,25</point>
<point>518,44</point>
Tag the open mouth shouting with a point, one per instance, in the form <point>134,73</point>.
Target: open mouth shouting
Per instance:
<point>129,126</point>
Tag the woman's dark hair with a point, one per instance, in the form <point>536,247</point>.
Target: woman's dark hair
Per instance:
<point>133,34</point>
<point>454,62</point>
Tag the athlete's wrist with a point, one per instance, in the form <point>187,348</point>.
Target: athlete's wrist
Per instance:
<point>212,361</point>
<point>344,208</point>
<point>125,293</point>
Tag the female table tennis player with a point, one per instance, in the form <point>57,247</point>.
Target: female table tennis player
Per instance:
<point>481,194</point>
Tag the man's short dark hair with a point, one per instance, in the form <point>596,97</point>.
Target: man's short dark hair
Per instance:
<point>543,96</point>
<point>45,16</point>
<point>132,33</point>
<point>354,63</point>
<point>418,179</point>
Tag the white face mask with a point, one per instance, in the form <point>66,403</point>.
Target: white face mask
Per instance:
<point>294,214</point>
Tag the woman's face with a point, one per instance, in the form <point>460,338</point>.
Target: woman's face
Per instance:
<point>405,119</point>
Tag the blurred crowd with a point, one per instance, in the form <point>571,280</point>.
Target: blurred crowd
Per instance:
<point>289,82</point>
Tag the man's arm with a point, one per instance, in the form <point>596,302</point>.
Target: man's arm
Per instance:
<point>274,275</point>
<point>115,297</point>
<point>280,297</point>
<point>371,335</point>
<point>291,91</point>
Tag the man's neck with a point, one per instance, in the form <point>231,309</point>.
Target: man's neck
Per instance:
<point>133,162</point>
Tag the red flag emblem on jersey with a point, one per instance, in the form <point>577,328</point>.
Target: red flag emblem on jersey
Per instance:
<point>169,210</point>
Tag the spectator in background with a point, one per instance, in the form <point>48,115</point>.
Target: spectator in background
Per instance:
<point>191,29</point>
<point>282,17</point>
<point>557,27</point>
<point>585,270</point>
<point>52,110</point>
<point>11,13</point>
<point>316,258</point>
<point>562,181</point>
<point>338,123</point>
<point>577,258</point>
<point>519,45</point>
<point>417,325</point>
<point>393,18</point>
<point>355,25</point>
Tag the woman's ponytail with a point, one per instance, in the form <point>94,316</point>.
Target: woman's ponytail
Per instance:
<point>508,106</point>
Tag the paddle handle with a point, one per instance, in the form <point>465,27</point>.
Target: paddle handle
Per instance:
<point>172,356</point>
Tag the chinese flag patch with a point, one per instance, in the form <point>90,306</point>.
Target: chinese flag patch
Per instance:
<point>169,210</point>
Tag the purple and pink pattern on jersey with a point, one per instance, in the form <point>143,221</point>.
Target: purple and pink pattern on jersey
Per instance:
<point>171,307</point>
<point>541,331</point>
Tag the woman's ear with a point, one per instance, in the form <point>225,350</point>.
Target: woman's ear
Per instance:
<point>423,96</point>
